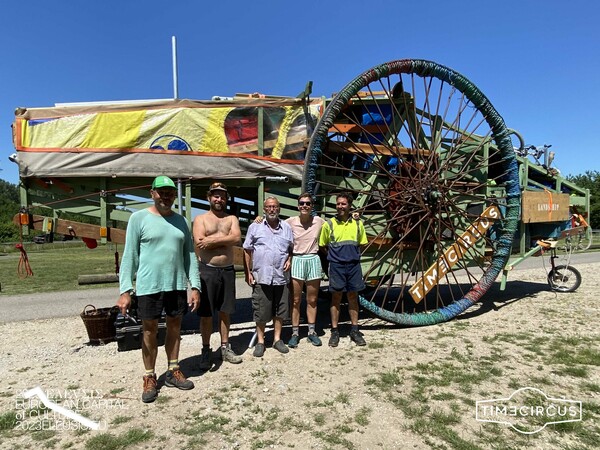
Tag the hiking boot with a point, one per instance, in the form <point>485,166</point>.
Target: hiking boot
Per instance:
<point>150,392</point>
<point>174,378</point>
<point>259,350</point>
<point>314,339</point>
<point>227,354</point>
<point>205,359</point>
<point>281,347</point>
<point>357,337</point>
<point>294,341</point>
<point>334,339</point>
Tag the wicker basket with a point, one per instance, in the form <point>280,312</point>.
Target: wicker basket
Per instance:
<point>100,323</point>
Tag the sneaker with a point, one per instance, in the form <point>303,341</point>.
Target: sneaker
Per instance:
<point>259,350</point>
<point>334,339</point>
<point>174,378</point>
<point>280,346</point>
<point>227,354</point>
<point>314,339</point>
<point>150,392</point>
<point>357,337</point>
<point>294,341</point>
<point>205,359</point>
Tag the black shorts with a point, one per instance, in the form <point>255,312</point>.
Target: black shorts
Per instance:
<point>270,301</point>
<point>218,290</point>
<point>174,303</point>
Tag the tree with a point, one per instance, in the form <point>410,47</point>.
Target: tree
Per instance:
<point>590,180</point>
<point>9,206</point>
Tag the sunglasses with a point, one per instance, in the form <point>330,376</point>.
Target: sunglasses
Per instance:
<point>304,203</point>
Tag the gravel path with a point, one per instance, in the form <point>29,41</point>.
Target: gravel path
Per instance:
<point>409,388</point>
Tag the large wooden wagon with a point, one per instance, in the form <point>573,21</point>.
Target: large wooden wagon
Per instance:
<point>439,180</point>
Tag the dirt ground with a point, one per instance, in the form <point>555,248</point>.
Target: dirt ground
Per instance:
<point>409,388</point>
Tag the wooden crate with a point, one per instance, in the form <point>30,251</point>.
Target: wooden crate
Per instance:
<point>544,206</point>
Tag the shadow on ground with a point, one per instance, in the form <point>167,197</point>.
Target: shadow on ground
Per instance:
<point>243,327</point>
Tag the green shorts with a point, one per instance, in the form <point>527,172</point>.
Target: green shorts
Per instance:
<point>306,267</point>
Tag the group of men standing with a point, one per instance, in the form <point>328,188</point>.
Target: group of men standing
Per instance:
<point>166,258</point>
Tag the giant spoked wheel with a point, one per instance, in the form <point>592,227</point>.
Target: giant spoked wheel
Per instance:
<point>434,175</point>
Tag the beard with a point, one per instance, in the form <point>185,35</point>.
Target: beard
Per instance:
<point>217,206</point>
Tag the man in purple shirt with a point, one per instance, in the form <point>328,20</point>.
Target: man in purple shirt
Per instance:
<point>267,259</point>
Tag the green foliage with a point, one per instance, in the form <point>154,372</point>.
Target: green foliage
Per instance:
<point>8,192</point>
<point>8,420</point>
<point>590,180</point>
<point>9,206</point>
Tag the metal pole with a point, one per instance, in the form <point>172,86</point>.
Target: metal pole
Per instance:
<point>174,50</point>
<point>179,197</point>
<point>176,96</point>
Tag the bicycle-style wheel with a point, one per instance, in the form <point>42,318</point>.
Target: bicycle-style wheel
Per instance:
<point>434,175</point>
<point>564,279</point>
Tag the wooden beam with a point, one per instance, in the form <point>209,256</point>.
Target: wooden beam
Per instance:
<point>375,149</point>
<point>98,278</point>
<point>357,128</point>
<point>75,229</point>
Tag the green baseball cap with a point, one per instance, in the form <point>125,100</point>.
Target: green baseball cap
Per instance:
<point>163,182</point>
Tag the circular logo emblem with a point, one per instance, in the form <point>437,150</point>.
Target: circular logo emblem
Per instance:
<point>170,142</point>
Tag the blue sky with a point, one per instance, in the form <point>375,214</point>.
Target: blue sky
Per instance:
<point>537,61</point>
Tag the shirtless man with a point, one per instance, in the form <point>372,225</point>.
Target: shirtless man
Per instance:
<point>215,235</point>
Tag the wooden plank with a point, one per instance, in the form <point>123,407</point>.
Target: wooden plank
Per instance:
<point>357,128</point>
<point>73,228</point>
<point>572,232</point>
<point>438,270</point>
<point>544,206</point>
<point>98,278</point>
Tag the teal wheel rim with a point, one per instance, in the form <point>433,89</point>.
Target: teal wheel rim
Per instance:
<point>427,158</point>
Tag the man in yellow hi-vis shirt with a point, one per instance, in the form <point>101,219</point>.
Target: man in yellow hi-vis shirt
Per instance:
<point>343,236</point>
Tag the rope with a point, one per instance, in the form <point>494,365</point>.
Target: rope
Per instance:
<point>23,268</point>
<point>550,204</point>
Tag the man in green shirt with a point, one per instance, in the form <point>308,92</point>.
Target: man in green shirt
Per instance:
<point>159,252</point>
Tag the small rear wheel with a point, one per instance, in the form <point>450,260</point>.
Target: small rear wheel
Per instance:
<point>564,279</point>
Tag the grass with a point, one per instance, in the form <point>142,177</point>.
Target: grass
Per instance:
<point>43,435</point>
<point>8,421</point>
<point>386,381</point>
<point>342,397</point>
<point>574,371</point>
<point>121,419</point>
<point>319,419</point>
<point>334,438</point>
<point>375,345</point>
<point>108,441</point>
<point>362,416</point>
<point>590,387</point>
<point>56,268</point>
